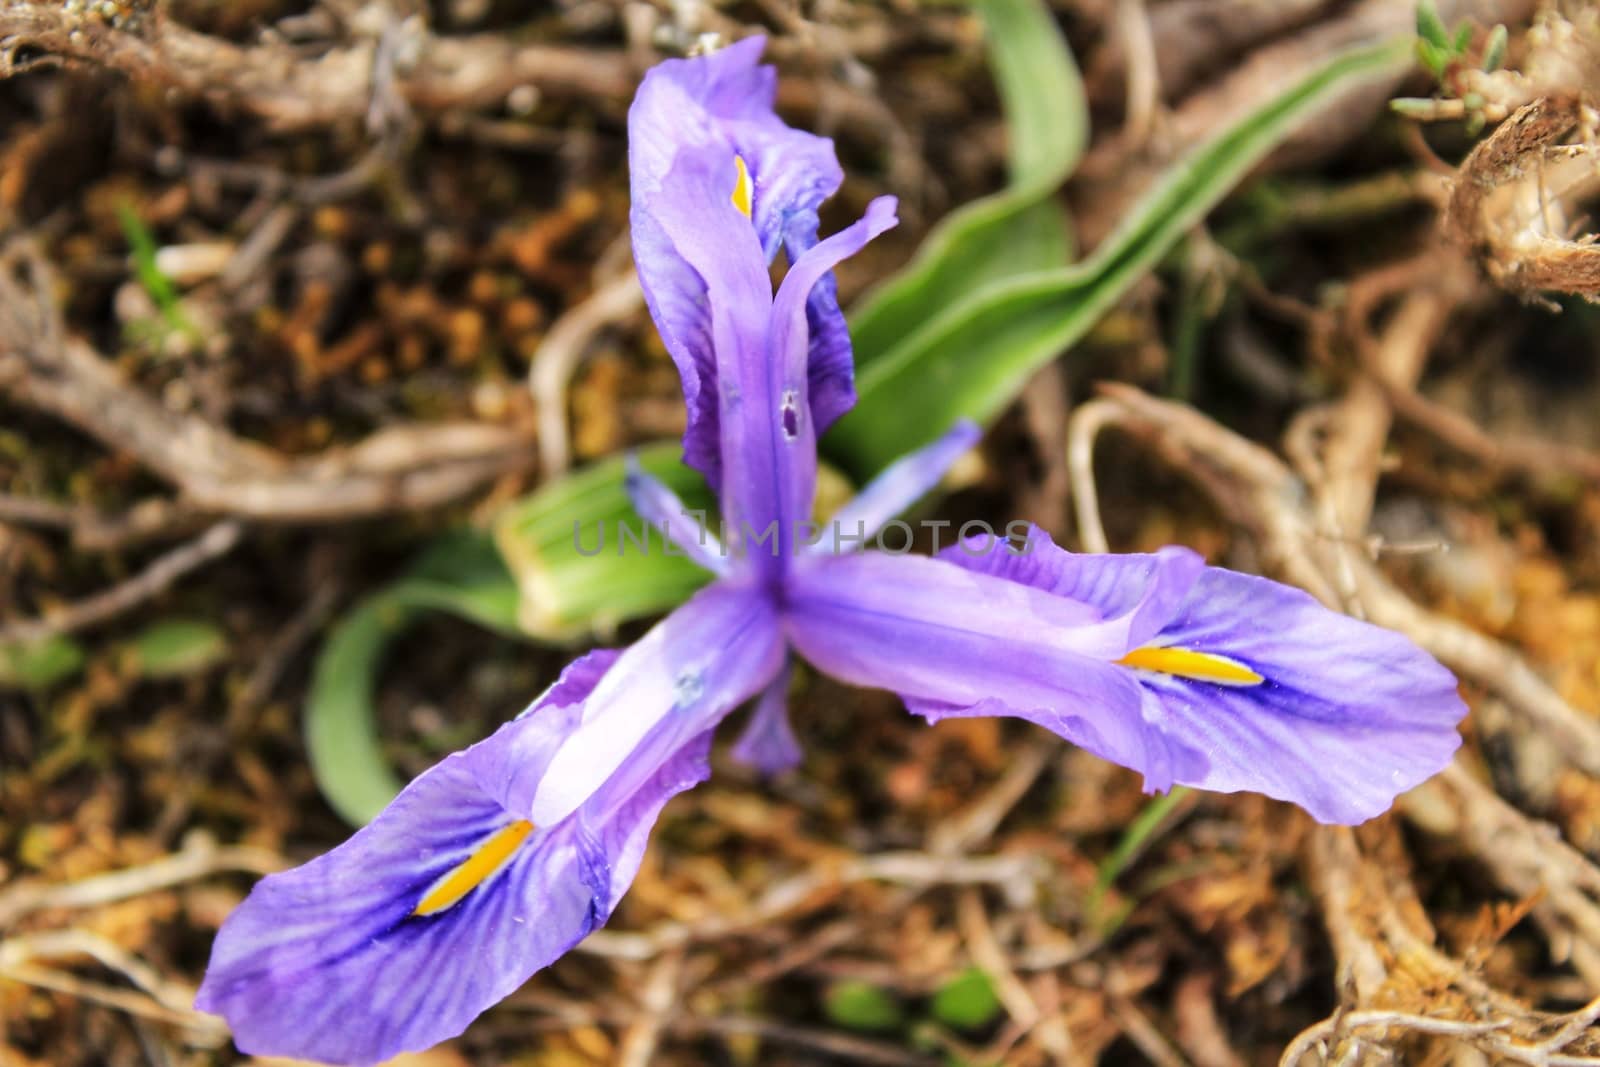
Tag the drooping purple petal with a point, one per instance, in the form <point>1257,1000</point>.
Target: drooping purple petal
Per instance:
<point>1346,716</point>
<point>659,506</point>
<point>694,667</point>
<point>953,642</point>
<point>768,742</point>
<point>896,488</point>
<point>394,941</point>
<point>788,347</point>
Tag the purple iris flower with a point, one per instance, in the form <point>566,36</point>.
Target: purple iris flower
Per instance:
<point>498,860</point>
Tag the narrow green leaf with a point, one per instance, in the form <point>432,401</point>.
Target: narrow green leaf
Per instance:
<point>154,281</point>
<point>970,360</point>
<point>967,1001</point>
<point>460,574</point>
<point>1432,57</point>
<point>341,724</point>
<point>1014,231</point>
<point>1430,27</point>
<point>1155,819</point>
<point>1494,49</point>
<point>576,571</point>
<point>174,648</point>
<point>40,665</point>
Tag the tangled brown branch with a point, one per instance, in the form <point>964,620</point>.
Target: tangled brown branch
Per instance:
<point>395,469</point>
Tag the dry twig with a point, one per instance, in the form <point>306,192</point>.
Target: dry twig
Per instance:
<point>1018,875</point>
<point>559,355</point>
<point>291,92</point>
<point>396,469</point>
<point>148,584</point>
<point>200,857</point>
<point>431,74</point>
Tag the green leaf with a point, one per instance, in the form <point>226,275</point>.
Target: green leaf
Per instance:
<point>1017,230</point>
<point>40,665</point>
<point>967,1001</point>
<point>1494,49</point>
<point>1153,820</point>
<point>460,574</point>
<point>1430,27</point>
<point>970,360</point>
<point>857,1005</point>
<point>159,287</point>
<point>1432,56</point>
<point>175,648</point>
<point>576,572</point>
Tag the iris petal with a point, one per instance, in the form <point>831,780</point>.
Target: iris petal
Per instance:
<point>1346,717</point>
<point>724,101</point>
<point>695,211</point>
<point>693,668</point>
<point>954,642</point>
<point>658,505</point>
<point>768,742</point>
<point>787,347</point>
<point>900,485</point>
<point>359,955</point>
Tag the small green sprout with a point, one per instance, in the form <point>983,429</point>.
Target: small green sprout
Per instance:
<point>154,281</point>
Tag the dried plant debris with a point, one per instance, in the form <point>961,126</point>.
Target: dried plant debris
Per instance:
<point>276,275</point>
<point>1522,199</point>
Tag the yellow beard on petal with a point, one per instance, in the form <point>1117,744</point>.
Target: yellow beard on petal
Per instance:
<point>743,194</point>
<point>471,872</point>
<point>1184,663</point>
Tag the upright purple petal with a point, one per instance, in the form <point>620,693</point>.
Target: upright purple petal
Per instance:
<point>696,212</point>
<point>792,172</point>
<point>681,309</point>
<point>441,906</point>
<point>1283,696</point>
<point>688,103</point>
<point>954,642</point>
<point>658,505</point>
<point>724,101</point>
<point>788,346</point>
<point>728,96</point>
<point>831,365</point>
<point>694,667</point>
<point>734,387</point>
<point>896,488</point>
